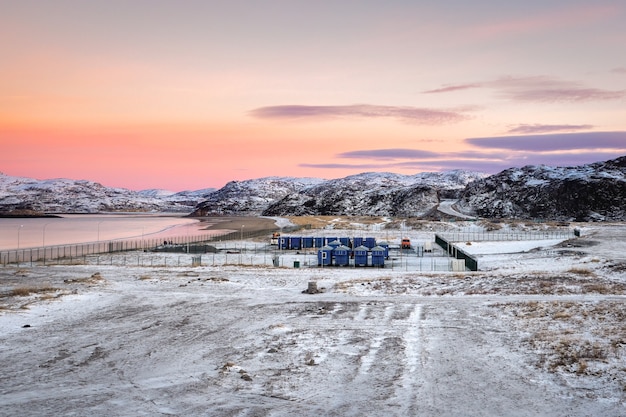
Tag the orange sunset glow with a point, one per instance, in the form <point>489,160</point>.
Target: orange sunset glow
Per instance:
<point>190,95</point>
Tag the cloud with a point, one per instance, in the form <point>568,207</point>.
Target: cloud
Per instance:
<point>490,164</point>
<point>539,89</point>
<point>539,128</point>
<point>619,70</point>
<point>548,89</point>
<point>388,154</point>
<point>554,141</point>
<point>346,166</point>
<point>493,166</point>
<point>412,115</point>
<point>450,88</point>
<point>547,21</point>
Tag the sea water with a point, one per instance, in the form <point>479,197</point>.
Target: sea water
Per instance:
<point>21,233</point>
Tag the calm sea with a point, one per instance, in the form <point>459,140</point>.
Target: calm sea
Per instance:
<point>87,228</point>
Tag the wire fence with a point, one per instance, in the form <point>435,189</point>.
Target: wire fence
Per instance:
<point>479,236</point>
<point>226,252</point>
<point>69,253</point>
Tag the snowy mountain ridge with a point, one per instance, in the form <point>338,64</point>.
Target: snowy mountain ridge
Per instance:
<point>369,193</point>
<point>251,196</point>
<point>21,195</point>
<point>592,192</point>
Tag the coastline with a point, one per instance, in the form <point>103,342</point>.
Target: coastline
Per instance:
<point>249,224</point>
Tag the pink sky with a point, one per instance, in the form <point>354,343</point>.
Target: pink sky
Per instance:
<point>190,95</point>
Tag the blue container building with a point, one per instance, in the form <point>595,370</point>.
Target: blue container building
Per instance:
<point>385,245</point>
<point>378,256</point>
<point>325,256</point>
<point>295,243</point>
<point>334,243</point>
<point>370,242</point>
<point>360,255</point>
<point>341,254</point>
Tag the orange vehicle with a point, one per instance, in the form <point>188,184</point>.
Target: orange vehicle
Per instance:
<point>406,243</point>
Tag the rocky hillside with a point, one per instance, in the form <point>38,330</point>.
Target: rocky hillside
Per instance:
<point>251,197</point>
<point>593,192</point>
<point>375,194</point>
<point>19,195</point>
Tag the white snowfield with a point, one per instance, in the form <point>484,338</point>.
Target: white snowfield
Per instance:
<point>535,332</point>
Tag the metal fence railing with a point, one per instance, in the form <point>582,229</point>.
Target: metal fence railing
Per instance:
<point>504,236</point>
<point>226,250</point>
<point>47,254</point>
<point>471,263</point>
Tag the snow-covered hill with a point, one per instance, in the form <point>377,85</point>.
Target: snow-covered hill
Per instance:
<point>381,194</point>
<point>589,192</point>
<point>363,194</point>
<point>251,196</point>
<point>28,195</point>
<point>583,193</point>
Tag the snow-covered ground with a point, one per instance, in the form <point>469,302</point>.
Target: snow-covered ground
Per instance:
<point>538,331</point>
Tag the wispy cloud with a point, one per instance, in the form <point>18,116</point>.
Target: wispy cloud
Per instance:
<point>516,160</point>
<point>546,21</point>
<point>548,89</point>
<point>388,154</point>
<point>538,89</point>
<point>451,88</point>
<point>539,128</point>
<point>347,166</point>
<point>554,142</point>
<point>413,115</point>
<point>619,70</point>
<point>494,154</point>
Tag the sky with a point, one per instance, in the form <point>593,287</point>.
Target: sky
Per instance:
<point>187,95</point>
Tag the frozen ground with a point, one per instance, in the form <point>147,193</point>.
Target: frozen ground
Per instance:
<point>539,331</point>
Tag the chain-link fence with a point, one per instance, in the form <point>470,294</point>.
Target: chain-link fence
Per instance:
<point>479,236</point>
<point>72,252</point>
<point>224,252</point>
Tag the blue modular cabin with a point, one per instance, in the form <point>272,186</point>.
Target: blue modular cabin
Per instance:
<point>345,241</point>
<point>318,242</point>
<point>358,241</point>
<point>334,243</point>
<point>385,245</point>
<point>325,256</point>
<point>378,256</point>
<point>307,242</point>
<point>360,255</point>
<point>295,242</point>
<point>342,255</point>
<point>370,242</point>
<point>283,242</point>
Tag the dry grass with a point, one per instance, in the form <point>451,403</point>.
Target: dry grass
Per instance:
<point>582,339</point>
<point>93,279</point>
<point>581,271</point>
<point>26,291</point>
<point>377,283</point>
<point>338,222</point>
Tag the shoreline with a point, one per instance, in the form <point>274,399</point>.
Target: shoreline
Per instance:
<point>249,224</point>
